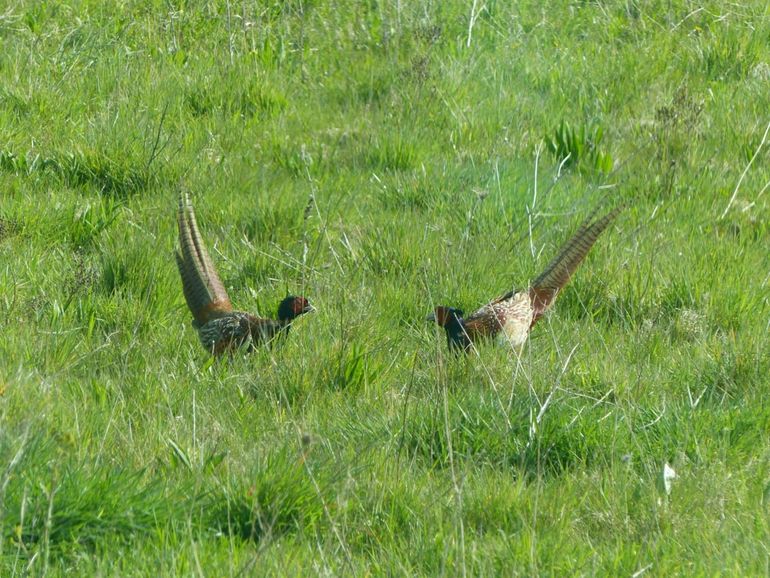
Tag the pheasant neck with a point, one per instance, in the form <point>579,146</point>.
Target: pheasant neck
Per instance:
<point>457,337</point>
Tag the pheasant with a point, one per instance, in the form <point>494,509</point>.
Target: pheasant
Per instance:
<point>220,328</point>
<point>511,316</point>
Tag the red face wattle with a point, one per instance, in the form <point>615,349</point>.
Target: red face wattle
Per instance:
<point>443,315</point>
<point>301,305</point>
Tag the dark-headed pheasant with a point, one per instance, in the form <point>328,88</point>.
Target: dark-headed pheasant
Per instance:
<point>511,316</point>
<point>220,328</point>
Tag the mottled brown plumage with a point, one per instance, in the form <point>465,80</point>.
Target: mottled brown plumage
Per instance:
<point>511,316</point>
<point>220,328</point>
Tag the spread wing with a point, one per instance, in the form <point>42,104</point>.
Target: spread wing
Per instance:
<point>544,289</point>
<point>203,290</point>
<point>516,311</point>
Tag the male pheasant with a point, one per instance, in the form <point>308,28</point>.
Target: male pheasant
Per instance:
<point>220,328</point>
<point>511,316</point>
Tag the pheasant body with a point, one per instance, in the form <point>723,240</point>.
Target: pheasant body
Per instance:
<point>220,328</point>
<point>237,329</point>
<point>509,318</point>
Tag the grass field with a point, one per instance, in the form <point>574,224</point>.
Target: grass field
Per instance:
<point>382,157</point>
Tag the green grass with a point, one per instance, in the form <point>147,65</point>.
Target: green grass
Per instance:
<point>381,158</point>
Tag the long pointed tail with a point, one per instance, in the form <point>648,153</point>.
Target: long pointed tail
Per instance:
<point>203,290</point>
<point>558,272</point>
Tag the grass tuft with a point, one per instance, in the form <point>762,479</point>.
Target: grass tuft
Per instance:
<point>579,147</point>
<point>81,169</point>
<point>279,499</point>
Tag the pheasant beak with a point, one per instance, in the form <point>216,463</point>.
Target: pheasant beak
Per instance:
<point>308,308</point>
<point>431,316</point>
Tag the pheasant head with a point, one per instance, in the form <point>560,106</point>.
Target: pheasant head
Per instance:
<point>451,319</point>
<point>292,307</point>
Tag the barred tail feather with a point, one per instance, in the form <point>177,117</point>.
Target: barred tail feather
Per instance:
<point>203,290</point>
<point>558,272</point>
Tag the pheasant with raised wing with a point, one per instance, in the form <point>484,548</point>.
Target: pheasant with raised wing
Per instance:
<point>220,328</point>
<point>511,316</point>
